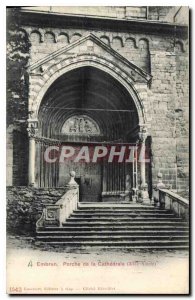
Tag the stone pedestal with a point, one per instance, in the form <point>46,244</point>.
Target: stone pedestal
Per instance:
<point>159,185</point>
<point>72,184</point>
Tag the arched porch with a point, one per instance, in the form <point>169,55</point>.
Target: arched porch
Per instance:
<point>71,93</point>
<point>87,106</point>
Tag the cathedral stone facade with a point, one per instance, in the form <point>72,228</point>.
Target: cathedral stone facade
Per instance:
<point>100,76</point>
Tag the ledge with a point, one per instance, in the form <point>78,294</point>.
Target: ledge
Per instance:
<point>50,19</point>
<point>175,196</point>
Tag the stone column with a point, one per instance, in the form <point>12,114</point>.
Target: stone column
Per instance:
<point>142,161</point>
<point>32,128</point>
<point>143,194</point>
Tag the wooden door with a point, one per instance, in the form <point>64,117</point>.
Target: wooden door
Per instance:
<point>90,182</point>
<point>88,176</point>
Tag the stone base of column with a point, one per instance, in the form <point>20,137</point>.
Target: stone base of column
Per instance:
<point>145,197</point>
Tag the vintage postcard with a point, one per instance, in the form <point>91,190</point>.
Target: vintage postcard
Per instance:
<point>98,150</point>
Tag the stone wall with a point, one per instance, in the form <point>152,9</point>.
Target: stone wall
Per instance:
<point>168,92</point>
<point>182,117</point>
<point>25,206</point>
<point>120,12</point>
<point>163,68</point>
<point>20,158</point>
<point>133,46</point>
<point>166,104</point>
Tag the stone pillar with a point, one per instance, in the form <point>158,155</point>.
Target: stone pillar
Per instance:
<point>143,194</point>
<point>32,128</point>
<point>142,163</point>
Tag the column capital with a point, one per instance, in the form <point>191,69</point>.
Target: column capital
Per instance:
<point>143,134</point>
<point>32,128</point>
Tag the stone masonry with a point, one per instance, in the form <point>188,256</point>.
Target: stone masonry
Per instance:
<point>25,206</point>
<point>160,51</point>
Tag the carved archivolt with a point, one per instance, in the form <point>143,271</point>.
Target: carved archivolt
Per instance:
<point>59,63</point>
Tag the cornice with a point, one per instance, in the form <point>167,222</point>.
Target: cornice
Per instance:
<point>35,18</point>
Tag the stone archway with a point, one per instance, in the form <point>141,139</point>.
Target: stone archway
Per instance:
<point>46,72</point>
<point>83,61</point>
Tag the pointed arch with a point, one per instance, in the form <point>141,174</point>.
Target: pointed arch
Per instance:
<point>101,64</point>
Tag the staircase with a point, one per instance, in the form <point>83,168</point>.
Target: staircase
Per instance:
<point>127,226</point>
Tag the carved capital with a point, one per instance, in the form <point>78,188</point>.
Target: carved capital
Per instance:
<point>143,134</point>
<point>32,128</point>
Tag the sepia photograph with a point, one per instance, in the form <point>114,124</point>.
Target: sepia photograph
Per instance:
<point>97,150</point>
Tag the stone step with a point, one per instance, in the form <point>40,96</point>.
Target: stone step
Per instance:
<point>70,227</point>
<point>145,243</point>
<point>128,209</point>
<point>120,215</point>
<point>119,220</point>
<point>118,226</point>
<point>109,238</point>
<point>120,211</point>
<point>130,224</point>
<point>111,204</point>
<point>112,233</point>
